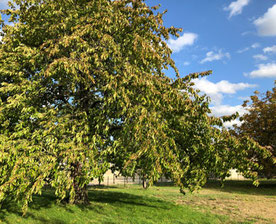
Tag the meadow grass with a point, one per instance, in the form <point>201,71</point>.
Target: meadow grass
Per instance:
<point>158,204</point>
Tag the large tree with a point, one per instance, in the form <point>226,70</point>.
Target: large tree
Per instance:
<point>82,86</point>
<point>259,123</point>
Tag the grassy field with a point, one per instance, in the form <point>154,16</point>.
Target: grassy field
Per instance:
<point>237,202</point>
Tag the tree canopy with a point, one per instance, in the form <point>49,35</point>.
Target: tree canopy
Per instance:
<point>259,123</point>
<point>82,86</point>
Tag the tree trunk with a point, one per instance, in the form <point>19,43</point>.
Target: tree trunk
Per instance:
<point>81,193</point>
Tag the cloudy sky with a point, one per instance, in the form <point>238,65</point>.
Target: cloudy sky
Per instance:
<point>234,38</point>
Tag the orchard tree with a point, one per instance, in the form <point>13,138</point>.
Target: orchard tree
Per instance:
<point>259,123</point>
<point>82,86</point>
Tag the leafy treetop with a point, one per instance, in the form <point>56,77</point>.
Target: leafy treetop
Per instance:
<point>259,123</point>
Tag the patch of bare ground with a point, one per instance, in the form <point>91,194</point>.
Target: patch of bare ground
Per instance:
<point>241,208</point>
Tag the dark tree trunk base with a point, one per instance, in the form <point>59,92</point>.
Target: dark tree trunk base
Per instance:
<point>81,193</point>
<point>81,196</point>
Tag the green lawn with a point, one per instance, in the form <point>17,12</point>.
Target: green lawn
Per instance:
<point>158,204</point>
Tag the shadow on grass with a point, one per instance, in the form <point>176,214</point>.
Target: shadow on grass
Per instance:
<point>266,187</point>
<point>46,200</point>
<point>96,186</point>
<point>120,198</point>
<point>97,195</point>
<point>164,184</point>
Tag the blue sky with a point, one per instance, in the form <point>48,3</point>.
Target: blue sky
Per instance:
<point>234,38</point>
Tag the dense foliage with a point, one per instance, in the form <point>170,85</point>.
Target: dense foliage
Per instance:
<point>259,123</point>
<point>82,86</point>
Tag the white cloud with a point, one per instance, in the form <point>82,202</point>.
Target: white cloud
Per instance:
<point>246,33</point>
<point>4,4</point>
<point>264,71</point>
<point>271,49</point>
<point>214,56</point>
<point>244,98</point>
<point>260,57</point>
<point>216,90</point>
<point>223,86</point>
<point>186,39</point>
<point>253,46</point>
<point>243,50</point>
<point>266,25</point>
<point>229,124</point>
<point>224,110</point>
<point>186,63</point>
<point>236,7</point>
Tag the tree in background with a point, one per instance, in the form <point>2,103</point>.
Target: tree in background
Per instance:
<point>82,86</point>
<point>259,123</point>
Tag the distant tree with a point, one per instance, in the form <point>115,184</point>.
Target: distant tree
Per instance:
<point>259,123</point>
<point>82,86</point>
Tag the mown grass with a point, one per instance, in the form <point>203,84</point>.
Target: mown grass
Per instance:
<point>239,200</point>
<point>158,204</point>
